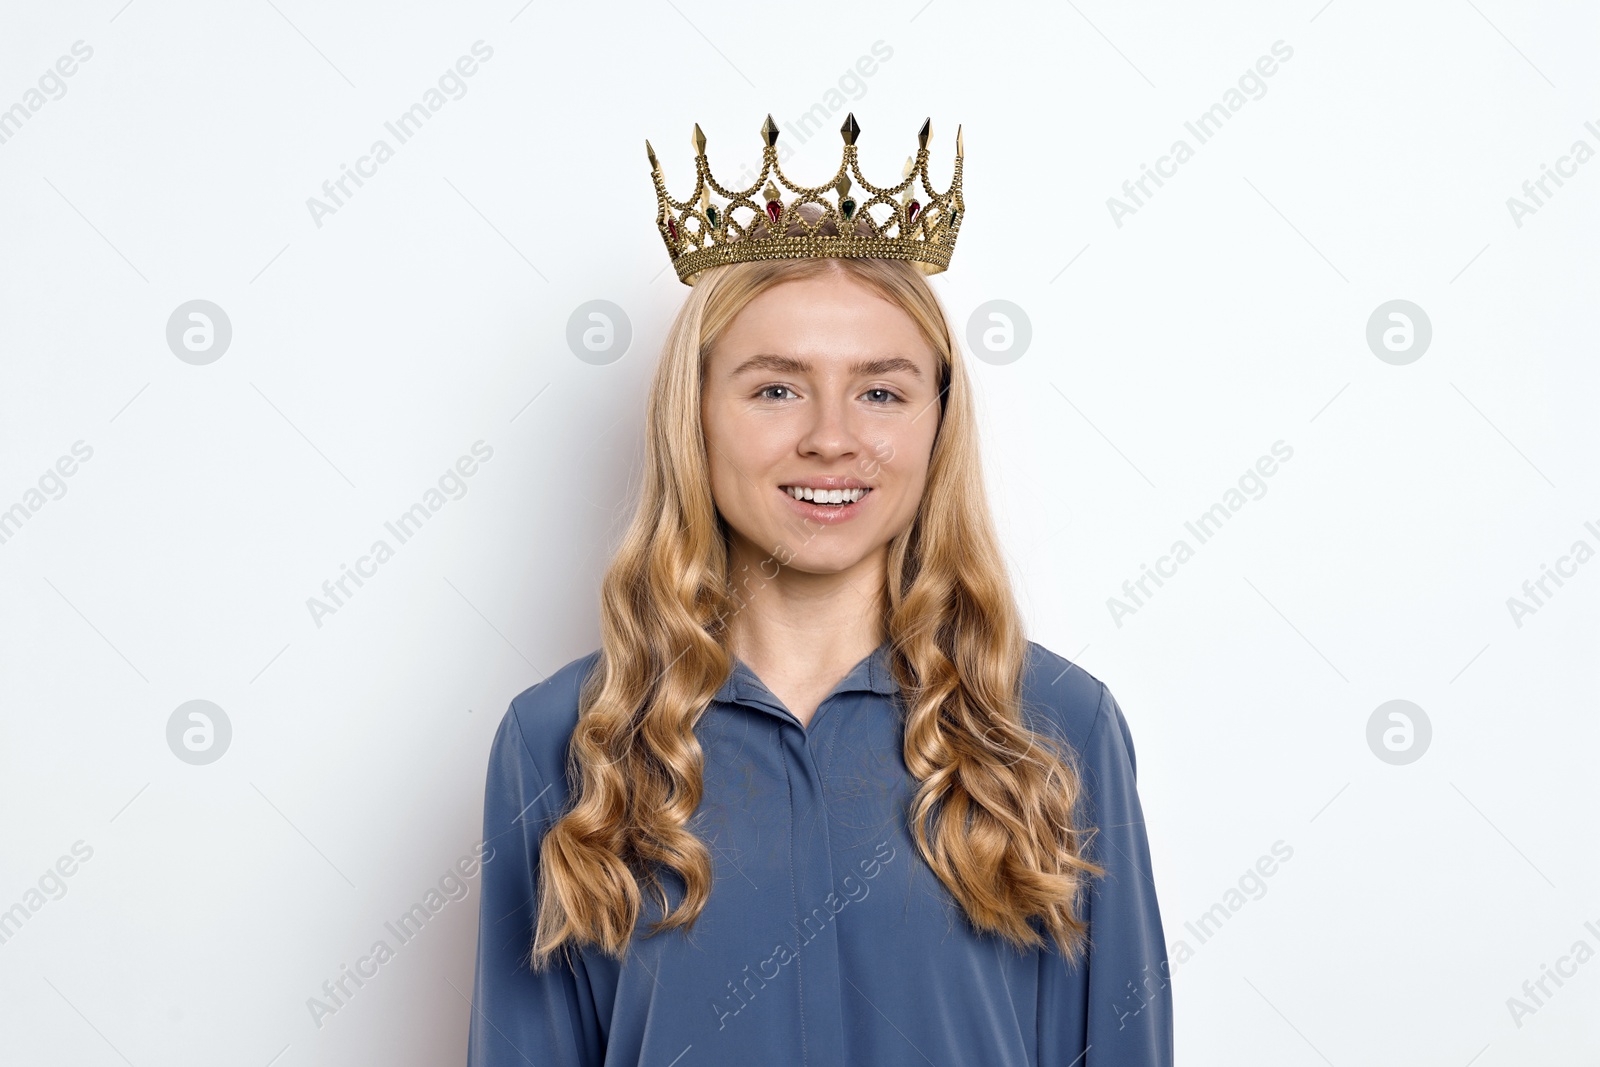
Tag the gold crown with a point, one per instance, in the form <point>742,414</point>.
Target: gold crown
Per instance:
<point>699,234</point>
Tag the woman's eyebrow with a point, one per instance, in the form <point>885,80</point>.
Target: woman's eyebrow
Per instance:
<point>791,365</point>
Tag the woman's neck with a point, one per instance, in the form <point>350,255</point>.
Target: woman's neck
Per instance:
<point>790,622</point>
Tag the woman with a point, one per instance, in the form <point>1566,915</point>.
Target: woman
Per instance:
<point>816,799</point>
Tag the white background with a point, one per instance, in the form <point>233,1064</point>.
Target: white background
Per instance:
<point>1167,354</point>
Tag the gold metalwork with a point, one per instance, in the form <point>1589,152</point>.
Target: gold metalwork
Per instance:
<point>712,237</point>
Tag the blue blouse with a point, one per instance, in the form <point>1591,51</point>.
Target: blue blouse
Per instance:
<point>827,940</point>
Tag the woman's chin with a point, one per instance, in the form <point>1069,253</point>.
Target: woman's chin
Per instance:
<point>830,559</point>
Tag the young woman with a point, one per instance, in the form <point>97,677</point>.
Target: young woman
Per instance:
<point>816,800</point>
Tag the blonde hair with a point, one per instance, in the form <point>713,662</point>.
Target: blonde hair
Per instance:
<point>993,814</point>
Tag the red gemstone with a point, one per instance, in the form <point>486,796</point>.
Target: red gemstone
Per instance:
<point>672,228</point>
<point>911,211</point>
<point>774,209</point>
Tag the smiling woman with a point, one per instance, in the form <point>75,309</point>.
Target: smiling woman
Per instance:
<point>693,795</point>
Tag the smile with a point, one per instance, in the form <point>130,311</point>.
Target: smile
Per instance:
<point>826,507</point>
<point>825,497</point>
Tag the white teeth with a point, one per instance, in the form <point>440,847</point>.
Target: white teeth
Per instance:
<point>826,496</point>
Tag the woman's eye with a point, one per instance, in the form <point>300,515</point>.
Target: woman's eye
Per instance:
<point>877,395</point>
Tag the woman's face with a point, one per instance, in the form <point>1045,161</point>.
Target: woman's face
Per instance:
<point>819,382</point>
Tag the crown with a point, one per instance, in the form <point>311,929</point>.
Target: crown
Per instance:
<point>920,228</point>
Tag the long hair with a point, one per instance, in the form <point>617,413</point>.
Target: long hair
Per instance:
<point>994,812</point>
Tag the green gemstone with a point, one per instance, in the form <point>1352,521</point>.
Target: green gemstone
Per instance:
<point>954,215</point>
<point>848,206</point>
<point>711,213</point>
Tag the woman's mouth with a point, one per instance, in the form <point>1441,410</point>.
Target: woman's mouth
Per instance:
<point>825,497</point>
<point>825,505</point>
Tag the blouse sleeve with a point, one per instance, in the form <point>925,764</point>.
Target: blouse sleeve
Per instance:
<point>519,1016</point>
<point>1112,1008</point>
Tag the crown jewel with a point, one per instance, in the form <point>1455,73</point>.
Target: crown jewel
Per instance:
<point>917,227</point>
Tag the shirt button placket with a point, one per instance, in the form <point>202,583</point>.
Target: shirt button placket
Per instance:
<point>815,934</point>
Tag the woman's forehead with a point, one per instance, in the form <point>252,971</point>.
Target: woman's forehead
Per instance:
<point>821,321</point>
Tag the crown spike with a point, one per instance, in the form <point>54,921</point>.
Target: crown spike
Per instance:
<point>925,133</point>
<point>651,152</point>
<point>850,130</point>
<point>699,140</point>
<point>769,132</point>
<point>958,141</point>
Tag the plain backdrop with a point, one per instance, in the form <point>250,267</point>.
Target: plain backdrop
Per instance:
<point>1441,863</point>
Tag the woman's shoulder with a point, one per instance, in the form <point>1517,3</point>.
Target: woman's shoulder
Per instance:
<point>546,713</point>
<point>1074,700</point>
<point>1070,698</point>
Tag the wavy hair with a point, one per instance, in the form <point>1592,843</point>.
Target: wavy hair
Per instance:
<point>993,813</point>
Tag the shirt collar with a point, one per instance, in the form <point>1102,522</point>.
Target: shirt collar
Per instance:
<point>870,675</point>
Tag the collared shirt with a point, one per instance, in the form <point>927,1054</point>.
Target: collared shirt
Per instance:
<point>827,940</point>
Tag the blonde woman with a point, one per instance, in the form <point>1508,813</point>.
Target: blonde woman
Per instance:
<point>816,799</point>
